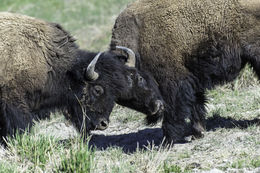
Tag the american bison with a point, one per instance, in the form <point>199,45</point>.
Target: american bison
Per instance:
<point>190,46</point>
<point>43,70</point>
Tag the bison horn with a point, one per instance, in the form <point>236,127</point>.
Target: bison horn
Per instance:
<point>131,56</point>
<point>90,73</point>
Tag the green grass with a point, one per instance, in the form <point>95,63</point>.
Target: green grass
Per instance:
<point>171,168</point>
<point>34,149</point>
<point>78,159</point>
<point>45,153</point>
<point>7,168</point>
<point>240,103</point>
<point>89,21</point>
<point>47,150</point>
<point>246,163</point>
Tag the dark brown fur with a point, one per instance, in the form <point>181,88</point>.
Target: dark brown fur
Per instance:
<point>189,46</point>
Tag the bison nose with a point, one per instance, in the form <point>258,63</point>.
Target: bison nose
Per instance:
<point>103,125</point>
<point>159,107</point>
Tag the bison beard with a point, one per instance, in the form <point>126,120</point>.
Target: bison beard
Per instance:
<point>43,70</point>
<point>190,46</point>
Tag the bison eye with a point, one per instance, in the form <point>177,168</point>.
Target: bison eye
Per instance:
<point>141,80</point>
<point>98,90</point>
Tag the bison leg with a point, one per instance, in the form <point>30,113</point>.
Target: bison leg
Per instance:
<point>174,125</point>
<point>12,120</point>
<point>174,128</point>
<point>198,115</point>
<point>185,114</point>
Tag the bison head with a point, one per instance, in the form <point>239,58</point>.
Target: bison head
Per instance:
<point>103,79</point>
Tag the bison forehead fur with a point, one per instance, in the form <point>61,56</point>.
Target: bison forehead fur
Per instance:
<point>42,70</point>
<point>189,46</point>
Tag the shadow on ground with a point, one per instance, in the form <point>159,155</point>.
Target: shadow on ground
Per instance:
<point>129,142</point>
<point>217,121</point>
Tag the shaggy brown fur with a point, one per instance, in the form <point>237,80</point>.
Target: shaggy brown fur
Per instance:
<point>189,46</point>
<point>42,69</point>
<point>31,55</point>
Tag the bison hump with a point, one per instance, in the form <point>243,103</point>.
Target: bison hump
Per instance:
<point>29,49</point>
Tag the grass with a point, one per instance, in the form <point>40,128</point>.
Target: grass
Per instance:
<point>246,162</point>
<point>6,168</point>
<point>34,152</point>
<point>55,146</point>
<point>33,149</point>
<point>91,20</point>
<point>79,158</point>
<point>171,168</point>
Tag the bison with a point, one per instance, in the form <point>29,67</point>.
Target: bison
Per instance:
<point>190,46</point>
<point>43,70</point>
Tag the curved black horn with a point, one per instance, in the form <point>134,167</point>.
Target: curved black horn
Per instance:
<point>131,56</point>
<point>90,72</point>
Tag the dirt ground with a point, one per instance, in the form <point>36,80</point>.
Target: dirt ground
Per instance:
<point>231,142</point>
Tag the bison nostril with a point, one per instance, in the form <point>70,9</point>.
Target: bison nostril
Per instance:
<point>158,107</point>
<point>103,125</point>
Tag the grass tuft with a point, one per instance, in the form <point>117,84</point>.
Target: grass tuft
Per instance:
<point>7,168</point>
<point>79,158</point>
<point>34,149</point>
<point>171,168</point>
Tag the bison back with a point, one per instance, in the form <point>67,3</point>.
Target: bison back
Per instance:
<point>34,56</point>
<point>170,31</point>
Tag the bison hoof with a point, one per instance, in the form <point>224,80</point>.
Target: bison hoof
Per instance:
<point>198,135</point>
<point>188,139</point>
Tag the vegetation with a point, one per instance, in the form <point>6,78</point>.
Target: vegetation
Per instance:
<point>231,143</point>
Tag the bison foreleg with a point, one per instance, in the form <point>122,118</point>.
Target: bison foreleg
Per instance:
<point>198,115</point>
<point>174,130</point>
<point>12,120</point>
<point>185,115</point>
